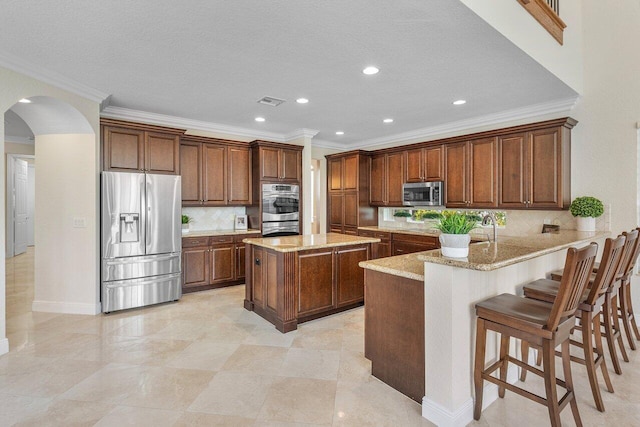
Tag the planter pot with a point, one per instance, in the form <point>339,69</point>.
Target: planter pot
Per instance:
<point>455,245</point>
<point>185,228</point>
<point>586,223</point>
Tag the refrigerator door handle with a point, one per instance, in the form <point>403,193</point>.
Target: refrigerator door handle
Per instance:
<point>154,258</point>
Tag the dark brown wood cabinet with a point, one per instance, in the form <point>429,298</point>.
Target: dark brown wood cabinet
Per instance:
<point>471,174</point>
<point>402,244</point>
<point>137,147</point>
<point>315,295</point>
<point>279,164</point>
<point>348,198</point>
<point>534,169</point>
<point>378,250</point>
<point>387,177</point>
<point>215,172</point>
<point>425,164</point>
<point>212,262</point>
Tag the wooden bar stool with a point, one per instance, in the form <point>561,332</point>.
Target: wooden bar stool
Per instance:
<point>589,312</point>
<point>612,330</point>
<point>541,324</point>
<point>624,299</point>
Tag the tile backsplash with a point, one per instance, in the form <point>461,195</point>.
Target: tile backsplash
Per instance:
<point>222,218</point>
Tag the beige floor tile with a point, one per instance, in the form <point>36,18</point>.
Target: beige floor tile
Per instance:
<point>198,419</point>
<point>141,326</point>
<point>233,393</point>
<point>206,355</point>
<point>299,400</point>
<point>138,385</point>
<point>310,363</point>
<point>270,336</point>
<point>15,408</point>
<point>68,413</point>
<point>133,416</point>
<point>180,330</point>
<point>319,339</point>
<point>354,366</point>
<point>256,359</point>
<point>228,332</point>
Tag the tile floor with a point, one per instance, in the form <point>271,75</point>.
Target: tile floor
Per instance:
<point>206,361</point>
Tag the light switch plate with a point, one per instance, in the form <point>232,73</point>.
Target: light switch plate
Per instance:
<point>79,223</point>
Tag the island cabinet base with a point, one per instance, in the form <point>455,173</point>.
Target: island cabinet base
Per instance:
<point>287,288</point>
<point>394,331</point>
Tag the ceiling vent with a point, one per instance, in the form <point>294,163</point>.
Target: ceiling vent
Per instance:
<point>267,100</point>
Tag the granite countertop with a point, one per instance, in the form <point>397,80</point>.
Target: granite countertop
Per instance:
<point>207,233</point>
<point>309,241</point>
<point>485,256</point>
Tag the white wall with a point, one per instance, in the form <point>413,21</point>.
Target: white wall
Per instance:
<point>13,87</point>
<point>318,153</point>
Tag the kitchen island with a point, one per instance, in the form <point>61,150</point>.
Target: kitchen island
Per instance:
<point>420,316</point>
<point>293,279</point>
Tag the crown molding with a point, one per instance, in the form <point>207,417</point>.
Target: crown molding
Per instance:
<point>37,72</point>
<point>300,133</point>
<point>121,113</point>
<point>331,145</point>
<point>19,140</point>
<point>562,106</point>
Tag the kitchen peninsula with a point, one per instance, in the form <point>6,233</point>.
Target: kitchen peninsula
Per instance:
<point>292,279</point>
<point>420,316</point>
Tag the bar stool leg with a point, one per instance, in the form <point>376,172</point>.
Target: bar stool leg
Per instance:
<point>568,379</point>
<point>597,334</point>
<point>624,313</point>
<point>548,360</point>
<point>608,329</point>
<point>617,329</point>
<point>481,341</point>
<point>589,361</point>
<point>524,350</point>
<point>632,315</point>
<point>504,352</point>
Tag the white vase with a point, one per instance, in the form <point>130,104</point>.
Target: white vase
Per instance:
<point>185,228</point>
<point>455,245</point>
<point>587,223</point>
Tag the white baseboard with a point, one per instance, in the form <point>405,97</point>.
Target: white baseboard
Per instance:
<point>4,346</point>
<point>463,415</point>
<point>66,307</point>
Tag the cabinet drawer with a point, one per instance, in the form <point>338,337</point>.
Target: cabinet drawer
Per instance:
<point>382,235</point>
<point>414,238</point>
<point>240,237</point>
<point>220,239</point>
<point>192,242</point>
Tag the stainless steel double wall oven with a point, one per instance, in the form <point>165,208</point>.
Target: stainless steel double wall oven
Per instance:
<point>280,209</point>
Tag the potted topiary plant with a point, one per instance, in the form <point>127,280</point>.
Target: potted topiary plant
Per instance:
<point>186,219</point>
<point>455,238</point>
<point>402,215</point>
<point>586,209</point>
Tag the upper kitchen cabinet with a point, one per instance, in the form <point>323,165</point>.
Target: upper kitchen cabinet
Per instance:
<point>278,162</point>
<point>387,177</point>
<point>215,172</point>
<point>425,164</point>
<point>534,167</point>
<point>136,147</point>
<point>471,173</point>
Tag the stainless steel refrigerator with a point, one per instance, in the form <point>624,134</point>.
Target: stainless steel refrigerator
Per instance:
<point>141,239</point>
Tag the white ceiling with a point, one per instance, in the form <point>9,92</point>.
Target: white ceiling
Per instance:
<point>212,60</point>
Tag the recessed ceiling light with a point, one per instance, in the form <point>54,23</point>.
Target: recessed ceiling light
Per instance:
<point>302,100</point>
<point>371,70</point>
<point>459,102</point>
<point>25,101</point>
<point>388,120</point>
<point>340,132</point>
<point>259,119</point>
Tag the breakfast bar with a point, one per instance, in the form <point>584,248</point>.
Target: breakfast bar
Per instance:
<point>429,299</point>
<point>292,279</point>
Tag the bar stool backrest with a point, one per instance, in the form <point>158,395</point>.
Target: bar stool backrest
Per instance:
<point>609,268</point>
<point>634,251</point>
<point>577,272</point>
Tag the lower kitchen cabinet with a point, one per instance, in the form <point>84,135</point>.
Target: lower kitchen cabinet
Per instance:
<point>378,250</point>
<point>402,244</point>
<point>213,262</point>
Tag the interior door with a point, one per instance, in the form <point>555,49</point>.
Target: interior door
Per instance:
<point>20,206</point>
<point>31,205</point>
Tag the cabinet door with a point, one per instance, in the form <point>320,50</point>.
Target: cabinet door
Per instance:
<point>350,218</point>
<point>214,177</point>
<point>258,287</point>
<point>414,162</point>
<point>403,248</point>
<point>239,176</point>
<point>456,175</point>
<point>314,295</point>
<point>290,165</point>
<point>384,249</point>
<point>269,163</point>
<point>544,169</point>
<point>336,210</point>
<point>349,276</point>
<point>350,173</point>
<point>512,171</point>
<point>222,263</point>
<point>395,179</point>
<point>195,267</point>
<point>377,185</point>
<point>162,153</point>
<point>240,261</point>
<point>123,149</point>
<point>335,174</point>
<point>190,170</point>
<point>482,173</point>
<point>434,164</point>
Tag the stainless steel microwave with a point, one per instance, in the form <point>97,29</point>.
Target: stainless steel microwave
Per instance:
<point>423,194</point>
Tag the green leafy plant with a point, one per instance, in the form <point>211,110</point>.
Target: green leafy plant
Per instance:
<point>186,219</point>
<point>421,214</point>
<point>402,213</point>
<point>586,206</point>
<point>455,223</point>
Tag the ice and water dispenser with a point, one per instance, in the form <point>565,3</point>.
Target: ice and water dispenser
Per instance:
<point>129,227</point>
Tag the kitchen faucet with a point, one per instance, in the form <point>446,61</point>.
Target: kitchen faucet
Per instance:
<point>490,217</point>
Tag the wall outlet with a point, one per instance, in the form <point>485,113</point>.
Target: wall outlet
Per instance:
<point>79,223</point>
